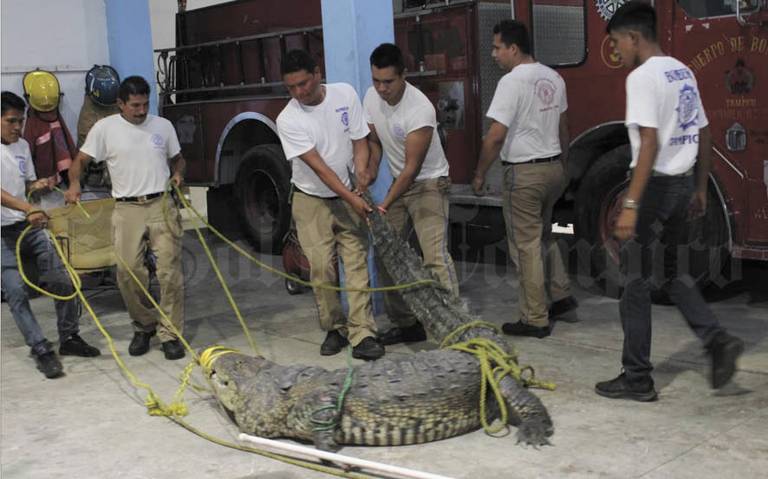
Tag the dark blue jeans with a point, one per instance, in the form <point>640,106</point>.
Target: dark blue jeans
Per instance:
<point>651,260</point>
<point>36,244</point>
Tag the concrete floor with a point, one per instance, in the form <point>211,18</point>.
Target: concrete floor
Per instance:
<point>92,422</point>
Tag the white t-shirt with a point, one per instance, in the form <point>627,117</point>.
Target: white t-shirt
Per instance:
<point>394,123</point>
<point>662,93</point>
<point>528,101</point>
<point>17,170</point>
<point>329,128</point>
<point>136,155</point>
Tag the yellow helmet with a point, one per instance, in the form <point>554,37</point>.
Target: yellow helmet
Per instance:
<point>41,88</point>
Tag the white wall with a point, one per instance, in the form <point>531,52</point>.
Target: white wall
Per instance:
<point>66,37</point>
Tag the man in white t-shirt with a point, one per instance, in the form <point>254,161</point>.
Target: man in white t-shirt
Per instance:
<point>403,124</point>
<point>530,132</point>
<point>18,179</point>
<point>142,154</point>
<point>668,130</point>
<point>323,134</point>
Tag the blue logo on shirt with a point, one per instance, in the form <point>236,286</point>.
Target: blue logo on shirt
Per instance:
<point>157,140</point>
<point>687,107</point>
<point>22,165</point>
<point>345,119</point>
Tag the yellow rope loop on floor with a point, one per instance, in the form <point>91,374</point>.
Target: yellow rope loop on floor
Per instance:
<point>295,279</point>
<point>74,277</point>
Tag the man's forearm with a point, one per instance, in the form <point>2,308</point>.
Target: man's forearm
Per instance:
<point>360,154</point>
<point>178,165</point>
<point>488,154</point>
<point>374,160</point>
<point>645,161</point>
<point>565,139</point>
<point>10,201</point>
<point>401,184</point>
<point>76,169</point>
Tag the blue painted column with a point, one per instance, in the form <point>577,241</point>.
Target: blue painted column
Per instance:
<point>129,35</point>
<point>351,30</point>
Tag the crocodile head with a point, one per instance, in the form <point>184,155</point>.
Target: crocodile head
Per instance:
<point>230,377</point>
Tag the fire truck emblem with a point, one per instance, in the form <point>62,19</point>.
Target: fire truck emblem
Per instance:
<point>545,90</point>
<point>687,107</point>
<point>606,8</point>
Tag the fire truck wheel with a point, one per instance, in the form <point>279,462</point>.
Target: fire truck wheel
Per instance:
<point>262,187</point>
<point>598,206</point>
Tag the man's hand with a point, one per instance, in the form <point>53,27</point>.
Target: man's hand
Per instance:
<point>37,218</point>
<point>382,209</point>
<point>625,224</point>
<point>362,180</point>
<point>698,205</point>
<point>43,184</point>
<point>72,195</point>
<point>177,180</point>
<point>477,185</point>
<point>360,206</point>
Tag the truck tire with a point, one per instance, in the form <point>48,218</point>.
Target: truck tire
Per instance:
<point>261,188</point>
<point>598,203</point>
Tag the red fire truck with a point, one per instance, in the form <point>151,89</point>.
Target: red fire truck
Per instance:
<point>221,88</point>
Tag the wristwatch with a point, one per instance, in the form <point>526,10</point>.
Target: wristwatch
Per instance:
<point>630,204</point>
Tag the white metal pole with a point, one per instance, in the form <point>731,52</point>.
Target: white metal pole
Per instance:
<point>332,456</point>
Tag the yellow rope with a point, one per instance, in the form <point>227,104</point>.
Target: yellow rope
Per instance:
<point>495,363</point>
<point>290,277</point>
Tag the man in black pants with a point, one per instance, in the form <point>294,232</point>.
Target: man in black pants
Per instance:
<point>668,129</point>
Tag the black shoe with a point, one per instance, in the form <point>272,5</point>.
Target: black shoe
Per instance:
<point>368,349</point>
<point>76,346</point>
<point>562,306</point>
<point>408,334</point>
<point>622,388</point>
<point>724,350</point>
<point>49,365</point>
<point>140,343</point>
<point>522,329</point>
<point>173,349</point>
<point>333,344</point>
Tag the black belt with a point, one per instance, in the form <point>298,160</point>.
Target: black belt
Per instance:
<point>139,199</point>
<point>534,161</point>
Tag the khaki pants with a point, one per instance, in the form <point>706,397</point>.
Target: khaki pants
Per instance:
<point>426,203</point>
<point>529,194</point>
<point>134,225</point>
<point>325,226</point>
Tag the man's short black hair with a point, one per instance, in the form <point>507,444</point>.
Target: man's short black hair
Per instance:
<point>133,85</point>
<point>513,32</point>
<point>297,60</point>
<point>12,101</point>
<point>388,55</point>
<point>638,16</point>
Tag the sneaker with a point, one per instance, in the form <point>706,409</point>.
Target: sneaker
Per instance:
<point>76,346</point>
<point>562,306</point>
<point>140,343</point>
<point>333,344</point>
<point>369,349</point>
<point>724,350</point>
<point>523,329</point>
<point>622,388</point>
<point>49,365</point>
<point>173,349</point>
<point>408,334</point>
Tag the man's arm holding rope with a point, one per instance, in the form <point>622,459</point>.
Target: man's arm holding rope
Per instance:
<point>72,195</point>
<point>35,216</point>
<point>178,166</point>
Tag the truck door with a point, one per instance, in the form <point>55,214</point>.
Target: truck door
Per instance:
<point>725,43</point>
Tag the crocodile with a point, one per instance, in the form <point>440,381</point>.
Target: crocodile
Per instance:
<point>421,397</point>
<point>426,396</point>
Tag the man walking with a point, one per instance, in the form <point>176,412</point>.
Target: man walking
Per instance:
<point>403,124</point>
<point>668,130</point>
<point>530,132</point>
<point>142,152</point>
